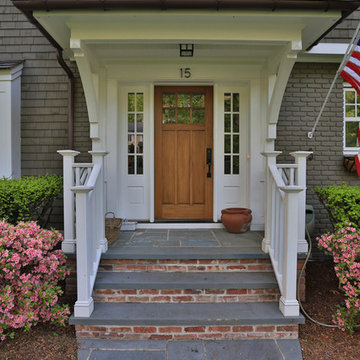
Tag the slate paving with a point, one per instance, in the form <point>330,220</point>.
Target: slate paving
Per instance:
<point>187,238</point>
<point>189,350</point>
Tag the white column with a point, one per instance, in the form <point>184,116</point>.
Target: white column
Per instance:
<point>98,158</point>
<point>300,180</point>
<point>84,305</point>
<point>288,304</point>
<point>270,160</point>
<point>69,243</point>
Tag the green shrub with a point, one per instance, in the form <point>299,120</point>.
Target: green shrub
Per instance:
<point>29,198</point>
<point>342,203</point>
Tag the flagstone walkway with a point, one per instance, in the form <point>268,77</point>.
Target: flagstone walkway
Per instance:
<point>189,350</point>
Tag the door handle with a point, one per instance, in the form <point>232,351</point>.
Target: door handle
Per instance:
<point>208,161</point>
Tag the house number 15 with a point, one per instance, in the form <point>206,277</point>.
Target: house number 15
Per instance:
<point>185,73</point>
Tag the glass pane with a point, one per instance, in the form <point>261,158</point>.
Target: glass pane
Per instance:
<point>168,116</point>
<point>168,100</point>
<point>139,144</point>
<point>350,97</point>
<point>227,123</point>
<point>235,144</point>
<point>139,102</point>
<point>227,144</point>
<point>236,102</point>
<point>227,164</point>
<point>131,165</point>
<point>131,102</point>
<point>227,102</point>
<point>198,116</point>
<point>139,165</point>
<point>236,165</point>
<point>183,116</point>
<point>198,100</point>
<point>236,123</point>
<point>350,110</point>
<point>183,100</point>
<point>131,119</point>
<point>131,144</point>
<point>140,123</point>
<point>358,111</point>
<point>351,133</point>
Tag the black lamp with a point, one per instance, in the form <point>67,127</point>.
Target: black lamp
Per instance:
<point>186,50</point>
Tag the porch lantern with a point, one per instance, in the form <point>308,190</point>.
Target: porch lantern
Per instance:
<point>186,50</point>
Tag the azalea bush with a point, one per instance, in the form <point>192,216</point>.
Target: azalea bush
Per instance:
<point>29,199</point>
<point>344,246</point>
<point>30,271</point>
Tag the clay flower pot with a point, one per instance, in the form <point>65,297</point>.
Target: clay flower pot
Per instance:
<point>236,220</point>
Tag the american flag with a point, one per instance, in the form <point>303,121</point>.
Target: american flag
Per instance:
<point>351,71</point>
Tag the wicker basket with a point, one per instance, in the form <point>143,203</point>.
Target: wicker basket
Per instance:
<point>112,227</point>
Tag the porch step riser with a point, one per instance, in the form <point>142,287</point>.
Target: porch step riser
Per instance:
<point>186,295</point>
<point>236,265</point>
<point>194,332</point>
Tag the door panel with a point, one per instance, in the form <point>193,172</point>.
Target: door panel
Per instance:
<point>183,132</point>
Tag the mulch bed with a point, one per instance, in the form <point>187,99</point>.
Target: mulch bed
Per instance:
<point>49,342</point>
<point>322,296</point>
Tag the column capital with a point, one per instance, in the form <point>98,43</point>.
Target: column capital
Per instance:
<point>301,154</point>
<point>269,154</point>
<point>68,152</point>
<point>98,152</point>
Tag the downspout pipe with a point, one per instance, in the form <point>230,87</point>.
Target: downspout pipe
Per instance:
<point>69,73</point>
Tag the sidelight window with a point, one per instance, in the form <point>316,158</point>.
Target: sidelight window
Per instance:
<point>135,116</point>
<point>231,133</point>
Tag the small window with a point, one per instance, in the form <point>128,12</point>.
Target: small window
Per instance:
<point>351,119</point>
<point>135,120</point>
<point>231,133</point>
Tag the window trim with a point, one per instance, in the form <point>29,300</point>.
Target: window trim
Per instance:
<point>349,151</point>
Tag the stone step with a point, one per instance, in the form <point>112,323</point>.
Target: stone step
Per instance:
<point>183,280</point>
<point>187,321</point>
<point>181,287</point>
<point>185,253</point>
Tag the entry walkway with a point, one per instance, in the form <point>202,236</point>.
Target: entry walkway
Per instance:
<point>189,350</point>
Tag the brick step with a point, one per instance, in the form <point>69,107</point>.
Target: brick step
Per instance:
<point>187,321</point>
<point>186,265</point>
<point>191,287</point>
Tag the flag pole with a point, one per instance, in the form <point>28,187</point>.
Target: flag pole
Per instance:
<point>348,53</point>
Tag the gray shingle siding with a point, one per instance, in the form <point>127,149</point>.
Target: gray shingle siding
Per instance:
<point>44,94</point>
<point>304,95</point>
<point>344,31</point>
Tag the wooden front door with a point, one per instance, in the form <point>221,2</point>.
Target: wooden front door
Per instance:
<point>183,141</point>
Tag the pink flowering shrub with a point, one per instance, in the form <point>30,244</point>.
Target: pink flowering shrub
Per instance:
<point>344,246</point>
<point>30,270</point>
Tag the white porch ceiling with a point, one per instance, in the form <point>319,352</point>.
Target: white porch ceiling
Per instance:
<point>256,27</point>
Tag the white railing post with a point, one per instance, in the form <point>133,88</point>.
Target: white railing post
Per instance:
<point>288,305</point>
<point>69,243</point>
<point>300,160</point>
<point>270,160</point>
<point>98,158</point>
<point>84,305</point>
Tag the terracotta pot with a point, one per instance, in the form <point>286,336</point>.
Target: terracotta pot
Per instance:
<point>236,220</point>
